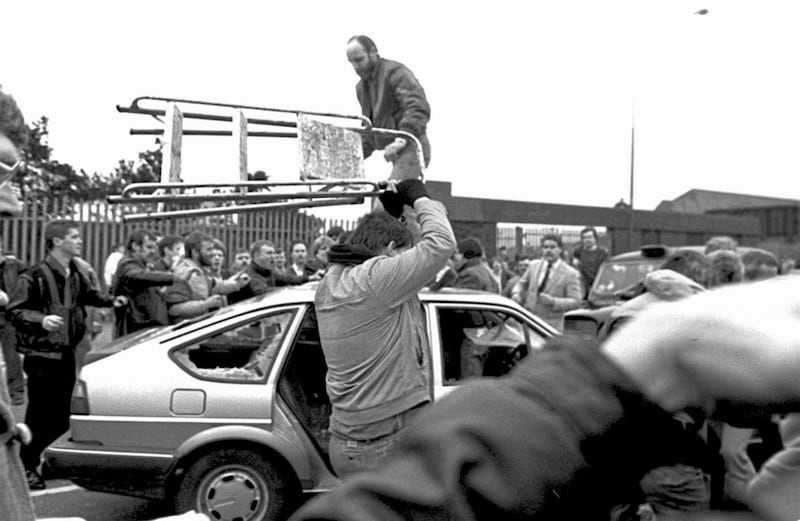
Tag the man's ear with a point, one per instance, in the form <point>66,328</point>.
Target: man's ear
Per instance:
<point>389,248</point>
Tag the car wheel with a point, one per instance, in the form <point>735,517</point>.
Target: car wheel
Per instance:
<point>234,485</point>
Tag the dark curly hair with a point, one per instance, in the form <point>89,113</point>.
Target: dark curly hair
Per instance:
<point>12,123</point>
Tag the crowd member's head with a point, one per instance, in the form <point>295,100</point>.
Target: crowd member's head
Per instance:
<point>381,234</point>
<point>280,259</point>
<point>320,247</point>
<point>721,242</point>
<point>299,253</point>
<point>469,248</point>
<point>335,233</point>
<point>171,249</point>
<point>497,265</point>
<point>13,137</point>
<point>502,252</point>
<point>63,236</point>
<point>198,248</point>
<point>217,256</point>
<point>362,53</point>
<point>551,247</point>
<point>759,265</point>
<point>241,258</point>
<point>726,267</point>
<point>344,237</point>
<point>690,263</point>
<point>522,265</point>
<point>262,254</point>
<point>141,245</point>
<point>589,238</point>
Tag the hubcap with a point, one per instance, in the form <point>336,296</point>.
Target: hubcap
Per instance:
<point>233,494</point>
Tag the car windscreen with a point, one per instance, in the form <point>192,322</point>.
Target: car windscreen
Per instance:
<point>616,276</point>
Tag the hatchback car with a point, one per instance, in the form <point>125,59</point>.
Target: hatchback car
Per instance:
<point>227,413</point>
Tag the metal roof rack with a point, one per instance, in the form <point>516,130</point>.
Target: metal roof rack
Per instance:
<point>331,172</point>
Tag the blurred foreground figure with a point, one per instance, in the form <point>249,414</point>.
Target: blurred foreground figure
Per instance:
<point>573,427</point>
<point>15,503</point>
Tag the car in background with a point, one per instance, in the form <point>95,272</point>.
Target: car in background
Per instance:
<point>227,413</point>
<point>618,279</point>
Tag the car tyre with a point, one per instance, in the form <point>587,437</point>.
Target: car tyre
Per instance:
<point>234,485</point>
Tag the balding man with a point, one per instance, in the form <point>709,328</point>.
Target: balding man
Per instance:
<point>391,97</point>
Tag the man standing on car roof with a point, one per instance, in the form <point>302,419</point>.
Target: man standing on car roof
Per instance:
<point>391,97</point>
<point>372,329</point>
<point>48,307</point>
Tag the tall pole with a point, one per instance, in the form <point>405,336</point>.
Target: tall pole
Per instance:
<point>633,165</point>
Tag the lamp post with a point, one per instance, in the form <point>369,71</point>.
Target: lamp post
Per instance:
<point>701,12</point>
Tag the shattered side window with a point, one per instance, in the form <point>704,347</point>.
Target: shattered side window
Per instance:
<point>244,353</point>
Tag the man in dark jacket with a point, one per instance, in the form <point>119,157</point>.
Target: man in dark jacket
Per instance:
<point>48,310</point>
<point>142,285</point>
<point>471,271</point>
<point>391,97</point>
<point>574,426</point>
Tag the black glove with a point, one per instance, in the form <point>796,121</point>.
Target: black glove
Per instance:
<point>392,202</point>
<point>411,190</point>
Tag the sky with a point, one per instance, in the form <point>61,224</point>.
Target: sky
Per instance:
<point>531,100</point>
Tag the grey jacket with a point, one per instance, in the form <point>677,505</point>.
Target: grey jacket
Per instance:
<point>372,329</point>
<point>564,284</point>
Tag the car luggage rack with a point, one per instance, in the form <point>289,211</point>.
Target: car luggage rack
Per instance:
<point>331,170</point>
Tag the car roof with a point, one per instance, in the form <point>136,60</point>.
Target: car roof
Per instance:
<point>302,294</point>
<point>661,251</point>
<point>305,293</point>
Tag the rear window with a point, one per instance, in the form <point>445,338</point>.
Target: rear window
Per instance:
<point>243,353</point>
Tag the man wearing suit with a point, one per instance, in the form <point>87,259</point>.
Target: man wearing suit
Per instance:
<point>549,287</point>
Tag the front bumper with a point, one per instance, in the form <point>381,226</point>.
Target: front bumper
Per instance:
<point>94,467</point>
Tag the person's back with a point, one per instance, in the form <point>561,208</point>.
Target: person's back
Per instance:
<point>372,330</point>
<point>471,271</point>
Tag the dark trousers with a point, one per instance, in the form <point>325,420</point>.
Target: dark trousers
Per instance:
<point>50,384</point>
<point>14,375</point>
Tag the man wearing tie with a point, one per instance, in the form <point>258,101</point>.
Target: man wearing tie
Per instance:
<point>549,287</point>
